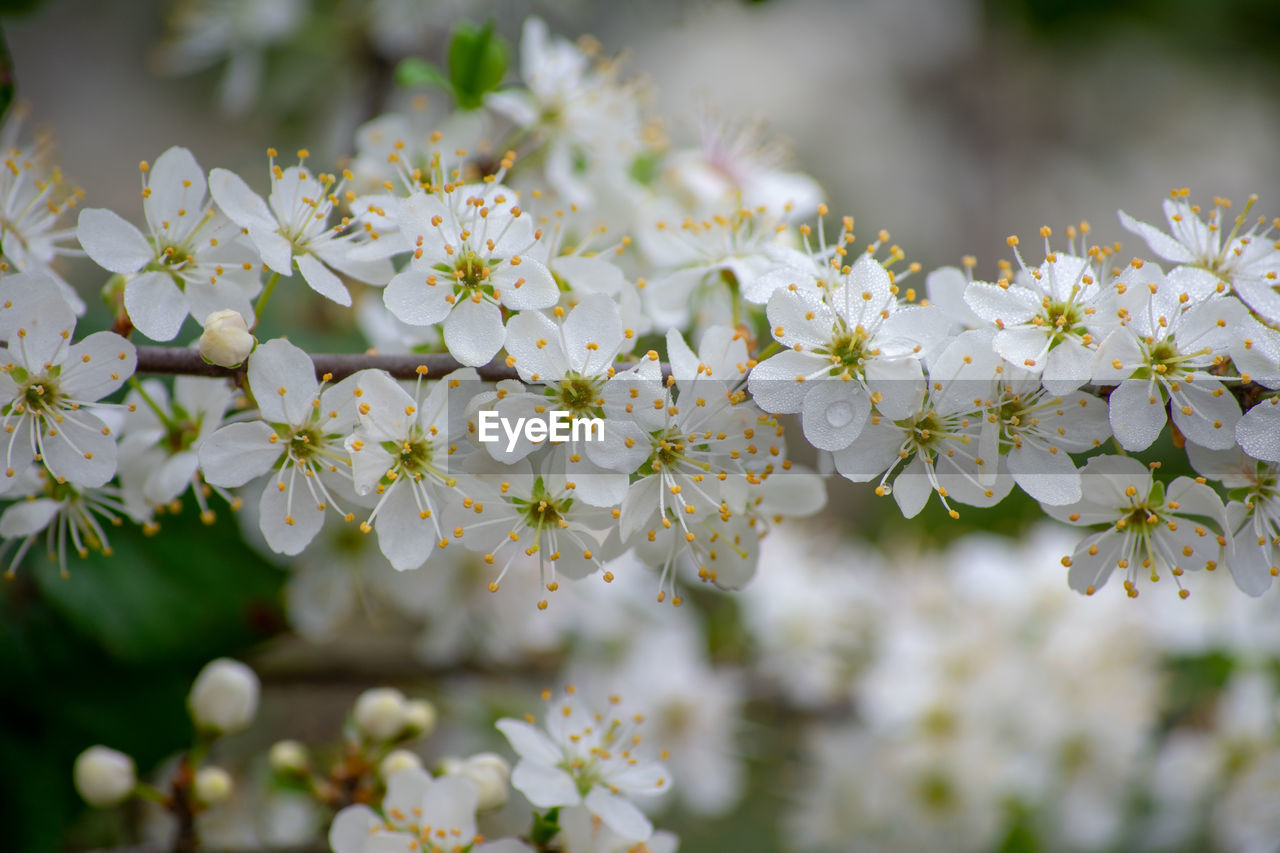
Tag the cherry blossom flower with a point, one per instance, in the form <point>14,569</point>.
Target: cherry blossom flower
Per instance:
<point>848,344</point>
<point>1150,528</point>
<point>1050,319</point>
<point>291,228</point>
<point>418,814</point>
<point>521,512</point>
<point>1253,513</point>
<point>1165,351</point>
<point>572,357</point>
<point>49,385</point>
<point>299,438</point>
<point>191,261</point>
<point>33,198</point>
<point>1246,259</point>
<point>400,453</point>
<point>471,258</point>
<point>582,758</point>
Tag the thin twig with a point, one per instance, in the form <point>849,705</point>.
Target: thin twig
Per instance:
<point>176,361</point>
<point>187,362</point>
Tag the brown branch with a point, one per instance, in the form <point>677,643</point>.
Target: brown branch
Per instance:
<point>187,362</point>
<point>177,361</point>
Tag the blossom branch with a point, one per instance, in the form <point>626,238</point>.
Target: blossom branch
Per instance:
<point>187,362</point>
<point>176,361</point>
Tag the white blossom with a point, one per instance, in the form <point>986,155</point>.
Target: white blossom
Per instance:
<point>299,439</point>
<point>1150,528</point>
<point>580,758</point>
<point>190,262</point>
<point>291,227</point>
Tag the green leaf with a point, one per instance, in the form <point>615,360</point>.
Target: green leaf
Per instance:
<point>545,827</point>
<point>181,595</point>
<point>477,63</point>
<point>413,72</point>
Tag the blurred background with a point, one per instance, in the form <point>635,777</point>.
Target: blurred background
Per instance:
<point>882,685</point>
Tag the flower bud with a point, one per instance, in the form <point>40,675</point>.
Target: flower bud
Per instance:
<point>420,717</point>
<point>380,713</point>
<point>490,774</point>
<point>289,757</point>
<point>397,760</point>
<point>104,777</point>
<point>226,340</point>
<point>212,785</point>
<point>224,697</point>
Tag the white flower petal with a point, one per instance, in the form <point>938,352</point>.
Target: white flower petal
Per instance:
<point>413,299</point>
<point>1161,243</point>
<point>80,452</point>
<point>1050,478</point>
<point>529,285</point>
<point>593,334</point>
<point>780,382</point>
<point>473,332</point>
<point>155,304</point>
<point>242,205</point>
<point>1137,414</point>
<point>289,517</point>
<point>323,281</point>
<point>283,381</point>
<point>834,413</point>
<point>1258,432</point>
<point>404,536</point>
<point>352,827</point>
<point>237,453</point>
<point>529,741</point>
<point>619,814</point>
<point>25,518</point>
<point>111,242</point>
<point>543,785</point>
<point>177,188</point>
<point>405,792</point>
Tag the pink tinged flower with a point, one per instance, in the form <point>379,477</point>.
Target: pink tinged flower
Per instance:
<point>190,262</point>
<point>1150,528</point>
<point>49,385</point>
<point>298,438</point>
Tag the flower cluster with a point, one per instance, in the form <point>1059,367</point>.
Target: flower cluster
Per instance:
<point>685,347</point>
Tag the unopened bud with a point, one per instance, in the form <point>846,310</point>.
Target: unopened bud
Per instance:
<point>224,697</point>
<point>420,717</point>
<point>104,777</point>
<point>490,773</point>
<point>380,713</point>
<point>398,760</point>
<point>226,340</point>
<point>288,756</point>
<point>212,785</point>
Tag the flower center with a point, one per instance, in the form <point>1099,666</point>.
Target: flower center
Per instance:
<point>579,395</point>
